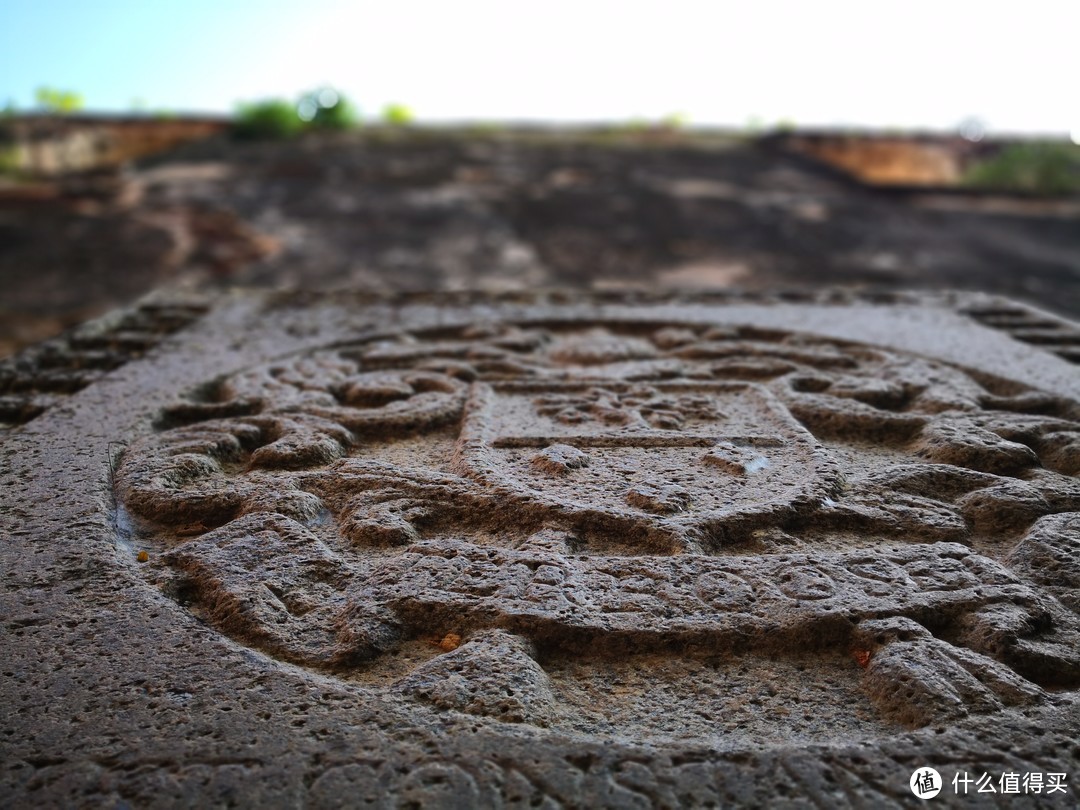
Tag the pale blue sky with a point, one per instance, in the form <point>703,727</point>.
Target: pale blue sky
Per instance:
<point>916,64</point>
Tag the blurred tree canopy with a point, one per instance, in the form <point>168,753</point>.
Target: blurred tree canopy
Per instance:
<point>324,108</point>
<point>397,115</point>
<point>58,102</point>
<point>1037,168</point>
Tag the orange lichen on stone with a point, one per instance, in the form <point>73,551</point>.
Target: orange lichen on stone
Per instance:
<point>450,642</point>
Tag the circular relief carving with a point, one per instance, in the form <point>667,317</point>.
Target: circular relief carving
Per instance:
<point>508,521</point>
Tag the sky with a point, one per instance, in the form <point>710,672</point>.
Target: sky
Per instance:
<point>906,65</point>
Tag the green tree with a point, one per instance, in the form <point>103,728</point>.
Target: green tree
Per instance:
<point>58,102</point>
<point>1039,168</point>
<point>326,108</point>
<point>267,119</point>
<point>397,115</point>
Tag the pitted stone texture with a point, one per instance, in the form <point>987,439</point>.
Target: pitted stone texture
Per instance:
<point>268,580</point>
<point>45,375</point>
<point>1050,555</point>
<point>636,444</point>
<point>768,602</point>
<point>917,679</point>
<point>494,674</point>
<point>1050,332</point>
<point>555,553</point>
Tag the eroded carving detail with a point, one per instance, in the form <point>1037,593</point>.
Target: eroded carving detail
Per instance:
<point>630,489</point>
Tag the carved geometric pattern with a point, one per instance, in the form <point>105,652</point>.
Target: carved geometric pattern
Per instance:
<point>46,374</point>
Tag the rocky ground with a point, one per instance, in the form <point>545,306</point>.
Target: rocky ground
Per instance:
<point>496,210</point>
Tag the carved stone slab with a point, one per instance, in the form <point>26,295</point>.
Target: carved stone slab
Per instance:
<point>539,551</point>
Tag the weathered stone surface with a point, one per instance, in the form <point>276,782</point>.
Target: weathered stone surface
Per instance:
<point>533,551</point>
<point>515,210</point>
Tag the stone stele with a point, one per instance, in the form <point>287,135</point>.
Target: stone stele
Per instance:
<point>540,550</point>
